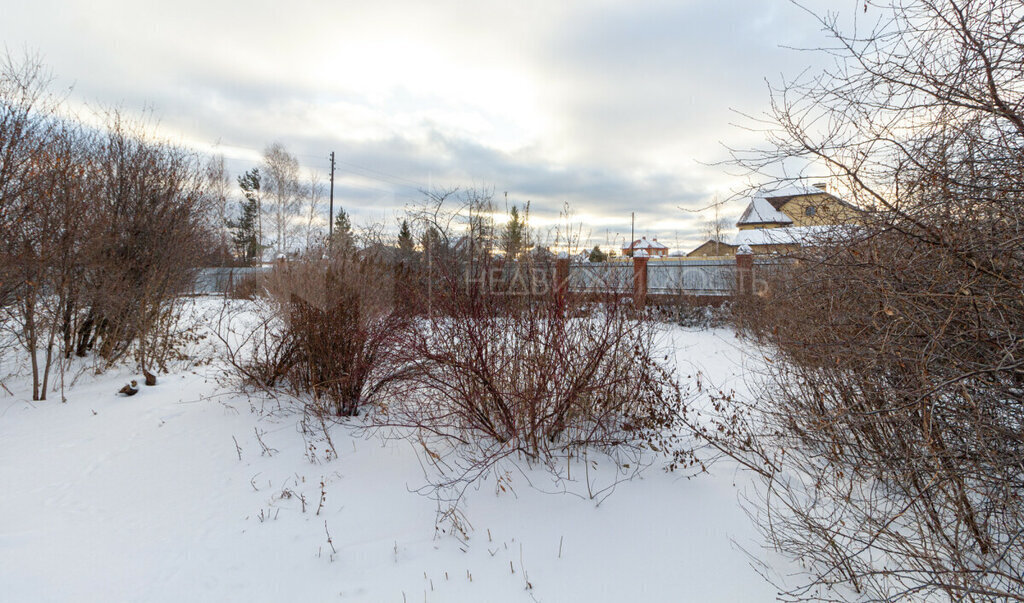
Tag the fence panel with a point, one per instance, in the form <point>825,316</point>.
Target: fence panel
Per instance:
<point>601,277</point>
<point>703,277</point>
<point>664,277</point>
<point>218,281</point>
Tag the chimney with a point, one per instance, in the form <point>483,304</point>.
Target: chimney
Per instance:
<point>821,185</point>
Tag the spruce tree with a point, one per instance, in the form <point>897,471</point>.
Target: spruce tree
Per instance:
<point>431,240</point>
<point>244,232</point>
<point>342,239</point>
<point>251,184</point>
<point>513,238</point>
<point>405,242</point>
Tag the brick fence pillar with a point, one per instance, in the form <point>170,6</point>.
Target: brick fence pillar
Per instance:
<point>639,280</point>
<point>744,270</point>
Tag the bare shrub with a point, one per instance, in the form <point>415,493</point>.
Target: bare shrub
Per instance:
<point>256,343</point>
<point>694,313</point>
<point>889,435</point>
<point>531,378</point>
<point>326,331</point>
<point>248,286</point>
<point>899,407</point>
<point>505,362</point>
<point>102,228</point>
<point>148,246</point>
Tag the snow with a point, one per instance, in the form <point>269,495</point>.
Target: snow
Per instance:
<point>792,235</point>
<point>145,498</point>
<point>643,243</point>
<point>760,211</point>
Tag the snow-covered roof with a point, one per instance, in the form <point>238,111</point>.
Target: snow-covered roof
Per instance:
<point>792,235</point>
<point>760,211</point>
<point>643,243</point>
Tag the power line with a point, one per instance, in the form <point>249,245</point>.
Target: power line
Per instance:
<point>358,167</point>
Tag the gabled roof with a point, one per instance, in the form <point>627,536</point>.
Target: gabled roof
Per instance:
<point>782,196</point>
<point>643,243</point>
<point>723,246</point>
<point>760,211</point>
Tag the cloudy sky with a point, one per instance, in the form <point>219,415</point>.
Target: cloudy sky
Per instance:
<point>611,106</point>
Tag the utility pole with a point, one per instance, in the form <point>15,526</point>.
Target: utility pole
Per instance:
<point>330,223</point>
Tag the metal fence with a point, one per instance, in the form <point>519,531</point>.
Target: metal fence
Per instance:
<point>218,281</point>
<point>664,277</point>
<point>691,277</point>
<point>601,277</point>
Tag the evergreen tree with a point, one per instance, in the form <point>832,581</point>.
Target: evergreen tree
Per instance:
<point>514,237</point>
<point>431,240</point>
<point>244,232</point>
<point>342,237</point>
<point>405,241</point>
<point>596,255</point>
<point>251,183</point>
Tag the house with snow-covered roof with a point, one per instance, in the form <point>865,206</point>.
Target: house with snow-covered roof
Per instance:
<point>786,219</point>
<point>652,248</point>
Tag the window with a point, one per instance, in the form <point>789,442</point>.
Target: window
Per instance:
<point>810,210</point>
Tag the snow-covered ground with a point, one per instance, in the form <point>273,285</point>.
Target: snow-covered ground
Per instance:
<point>147,498</point>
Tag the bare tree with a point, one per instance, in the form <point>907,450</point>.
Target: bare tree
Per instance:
<point>54,228</point>
<point>24,110</point>
<point>44,215</point>
<point>482,235</point>
<point>314,197</point>
<point>218,184</point>
<point>283,192</point>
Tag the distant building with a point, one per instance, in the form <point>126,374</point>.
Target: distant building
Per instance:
<point>786,219</point>
<point>713,248</point>
<point>653,248</point>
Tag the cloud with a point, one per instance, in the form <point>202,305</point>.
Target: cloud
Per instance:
<point>611,106</point>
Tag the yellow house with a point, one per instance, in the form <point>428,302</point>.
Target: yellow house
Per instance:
<point>783,220</point>
<point>712,249</point>
<point>797,206</point>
